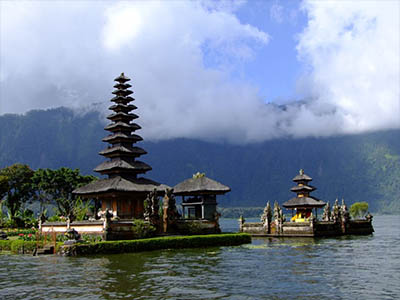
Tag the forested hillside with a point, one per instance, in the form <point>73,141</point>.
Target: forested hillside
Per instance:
<point>357,167</point>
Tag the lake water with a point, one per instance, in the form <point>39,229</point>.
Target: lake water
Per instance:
<point>362,267</point>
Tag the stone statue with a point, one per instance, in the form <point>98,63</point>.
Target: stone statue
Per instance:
<point>336,211</point>
<point>267,214</point>
<point>170,212</point>
<point>147,208</point>
<point>327,213</point>
<point>154,217</point>
<point>278,216</point>
<point>241,223</point>
<point>344,212</point>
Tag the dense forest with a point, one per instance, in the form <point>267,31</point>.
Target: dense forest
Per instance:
<point>363,167</point>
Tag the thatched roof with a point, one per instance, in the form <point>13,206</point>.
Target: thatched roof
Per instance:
<point>308,202</point>
<point>114,138</point>
<point>136,166</point>
<point>200,185</point>
<point>118,150</point>
<point>122,115</point>
<point>122,92</point>
<point>122,126</point>
<point>306,188</point>
<point>122,86</point>
<point>122,99</point>
<point>122,107</point>
<point>302,177</point>
<point>122,78</point>
<point>119,184</point>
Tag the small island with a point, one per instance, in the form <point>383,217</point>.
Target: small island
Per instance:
<point>304,221</point>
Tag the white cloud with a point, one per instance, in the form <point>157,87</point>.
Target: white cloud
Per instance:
<point>352,49</point>
<point>67,53</point>
<point>276,12</point>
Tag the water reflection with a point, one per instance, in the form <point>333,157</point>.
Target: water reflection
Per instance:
<point>364,267</point>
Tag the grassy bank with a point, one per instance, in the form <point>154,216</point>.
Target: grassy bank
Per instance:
<point>22,247</point>
<point>173,242</point>
<point>110,247</point>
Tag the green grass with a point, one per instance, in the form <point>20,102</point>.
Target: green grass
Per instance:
<point>175,242</point>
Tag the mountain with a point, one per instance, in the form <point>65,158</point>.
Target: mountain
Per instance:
<point>364,167</point>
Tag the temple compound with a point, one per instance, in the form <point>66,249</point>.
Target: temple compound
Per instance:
<point>304,221</point>
<point>125,196</point>
<point>199,200</point>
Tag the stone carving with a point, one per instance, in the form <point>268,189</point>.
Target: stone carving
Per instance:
<point>267,214</point>
<point>369,217</point>
<point>170,212</point>
<point>154,216</point>
<point>344,212</point>
<point>327,212</point>
<point>241,223</point>
<point>147,208</point>
<point>279,217</point>
<point>336,211</point>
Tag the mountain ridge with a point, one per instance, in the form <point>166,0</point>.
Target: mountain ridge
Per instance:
<point>362,167</point>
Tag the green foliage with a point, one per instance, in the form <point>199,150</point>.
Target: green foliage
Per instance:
<point>59,184</point>
<point>82,209</point>
<point>91,238</point>
<point>359,209</point>
<point>17,178</point>
<point>56,218</point>
<point>142,229</point>
<point>236,212</point>
<point>175,242</point>
<point>192,228</point>
<point>18,231</point>
<point>362,167</point>
<point>5,245</point>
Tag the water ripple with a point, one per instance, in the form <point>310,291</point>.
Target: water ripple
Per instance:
<point>365,267</point>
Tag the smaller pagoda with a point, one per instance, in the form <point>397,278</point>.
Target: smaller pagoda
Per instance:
<point>201,197</point>
<point>303,203</point>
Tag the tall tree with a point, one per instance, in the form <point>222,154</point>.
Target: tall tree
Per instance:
<point>16,179</point>
<point>58,185</point>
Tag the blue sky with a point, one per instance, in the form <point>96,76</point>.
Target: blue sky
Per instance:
<point>275,68</point>
<point>210,70</point>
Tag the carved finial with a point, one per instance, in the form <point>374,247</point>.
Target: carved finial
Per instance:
<point>301,172</point>
<point>199,175</point>
<point>122,74</point>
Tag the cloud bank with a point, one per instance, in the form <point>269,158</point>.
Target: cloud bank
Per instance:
<point>67,53</point>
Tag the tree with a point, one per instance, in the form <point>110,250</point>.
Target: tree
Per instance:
<point>16,179</point>
<point>359,209</point>
<point>58,185</point>
<point>41,185</point>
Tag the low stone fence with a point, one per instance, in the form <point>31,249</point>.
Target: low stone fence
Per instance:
<point>85,227</point>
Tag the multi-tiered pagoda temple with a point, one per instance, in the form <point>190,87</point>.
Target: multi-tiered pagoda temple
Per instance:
<point>123,191</point>
<point>303,203</point>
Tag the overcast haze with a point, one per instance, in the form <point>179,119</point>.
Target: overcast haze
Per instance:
<point>209,71</point>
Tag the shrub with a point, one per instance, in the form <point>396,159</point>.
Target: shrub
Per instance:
<point>5,245</point>
<point>359,209</point>
<point>18,231</point>
<point>175,242</point>
<point>142,229</point>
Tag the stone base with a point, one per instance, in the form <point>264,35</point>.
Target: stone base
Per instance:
<point>311,229</point>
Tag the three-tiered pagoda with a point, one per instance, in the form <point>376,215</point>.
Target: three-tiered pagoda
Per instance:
<point>303,203</point>
<point>123,191</point>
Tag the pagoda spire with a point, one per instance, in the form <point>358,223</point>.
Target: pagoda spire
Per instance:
<point>122,155</point>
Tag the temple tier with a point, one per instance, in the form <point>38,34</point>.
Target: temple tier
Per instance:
<point>123,191</point>
<point>303,203</point>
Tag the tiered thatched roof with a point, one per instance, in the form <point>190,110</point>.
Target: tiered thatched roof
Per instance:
<point>303,190</point>
<point>122,167</point>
